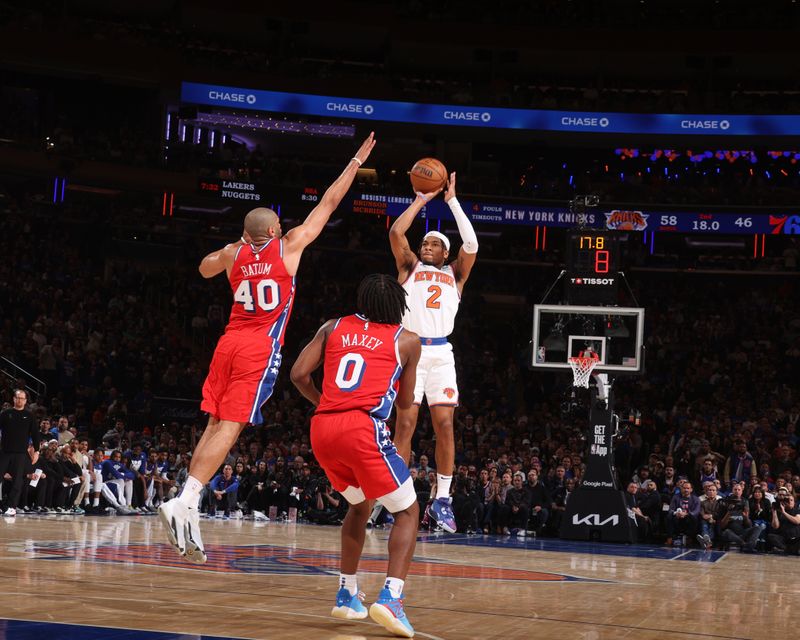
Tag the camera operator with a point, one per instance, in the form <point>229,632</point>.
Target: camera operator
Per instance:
<point>786,523</point>
<point>736,525</point>
<point>330,506</point>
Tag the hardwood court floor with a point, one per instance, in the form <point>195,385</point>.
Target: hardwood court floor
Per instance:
<point>271,580</point>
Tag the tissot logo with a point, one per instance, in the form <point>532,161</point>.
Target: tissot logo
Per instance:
<point>593,520</point>
<point>592,281</point>
<point>705,124</point>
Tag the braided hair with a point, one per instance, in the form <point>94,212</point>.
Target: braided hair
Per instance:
<point>381,299</point>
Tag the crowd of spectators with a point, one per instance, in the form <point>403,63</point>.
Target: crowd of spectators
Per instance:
<point>122,343</point>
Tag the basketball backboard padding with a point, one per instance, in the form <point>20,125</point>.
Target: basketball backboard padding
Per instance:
<point>563,331</point>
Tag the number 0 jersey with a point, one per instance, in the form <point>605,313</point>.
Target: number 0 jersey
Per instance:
<point>263,291</point>
<point>433,300</point>
<point>362,367</point>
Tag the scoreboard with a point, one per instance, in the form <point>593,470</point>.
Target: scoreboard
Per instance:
<point>730,222</point>
<point>592,266</point>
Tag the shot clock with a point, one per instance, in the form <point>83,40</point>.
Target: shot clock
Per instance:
<point>592,266</point>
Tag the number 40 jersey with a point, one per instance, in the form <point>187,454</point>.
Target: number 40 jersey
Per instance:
<point>263,291</point>
<point>362,367</point>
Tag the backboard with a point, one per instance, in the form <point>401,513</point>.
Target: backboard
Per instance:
<point>614,333</point>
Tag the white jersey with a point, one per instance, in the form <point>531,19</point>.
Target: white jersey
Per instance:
<point>433,300</point>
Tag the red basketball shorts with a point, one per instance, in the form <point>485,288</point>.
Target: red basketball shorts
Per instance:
<point>241,376</point>
<point>356,450</point>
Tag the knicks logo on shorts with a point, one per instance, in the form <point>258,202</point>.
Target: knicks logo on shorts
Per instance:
<point>450,393</point>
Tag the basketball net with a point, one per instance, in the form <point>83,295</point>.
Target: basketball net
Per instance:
<point>582,367</point>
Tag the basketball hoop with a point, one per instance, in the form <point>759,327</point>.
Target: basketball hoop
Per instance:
<point>582,367</point>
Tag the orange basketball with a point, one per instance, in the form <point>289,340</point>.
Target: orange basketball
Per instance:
<point>428,175</point>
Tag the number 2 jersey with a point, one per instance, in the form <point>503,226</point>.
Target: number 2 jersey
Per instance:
<point>263,290</point>
<point>433,300</point>
<point>362,367</point>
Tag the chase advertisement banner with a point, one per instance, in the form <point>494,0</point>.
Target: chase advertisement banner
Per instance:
<point>486,117</point>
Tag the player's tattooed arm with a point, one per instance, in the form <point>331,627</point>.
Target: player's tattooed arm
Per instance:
<point>309,361</point>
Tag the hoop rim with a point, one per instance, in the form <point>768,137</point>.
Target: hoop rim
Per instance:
<point>582,367</point>
<point>581,359</point>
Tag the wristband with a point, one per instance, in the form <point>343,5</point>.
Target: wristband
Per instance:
<point>422,195</point>
<point>357,161</point>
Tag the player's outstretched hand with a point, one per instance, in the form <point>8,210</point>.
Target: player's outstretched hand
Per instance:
<point>451,187</point>
<point>366,147</point>
<point>427,197</point>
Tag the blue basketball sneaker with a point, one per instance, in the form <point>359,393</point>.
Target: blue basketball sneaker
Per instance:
<point>388,612</point>
<point>441,511</point>
<point>349,607</point>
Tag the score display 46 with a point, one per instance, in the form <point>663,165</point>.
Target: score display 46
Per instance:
<point>705,222</point>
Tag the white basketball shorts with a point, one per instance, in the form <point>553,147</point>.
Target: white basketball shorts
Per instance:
<point>436,376</point>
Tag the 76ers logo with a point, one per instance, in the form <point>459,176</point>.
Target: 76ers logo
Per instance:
<point>450,393</point>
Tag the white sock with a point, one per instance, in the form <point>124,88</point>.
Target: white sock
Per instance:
<point>95,502</point>
<point>395,586</point>
<point>190,495</point>
<point>349,581</point>
<point>443,486</point>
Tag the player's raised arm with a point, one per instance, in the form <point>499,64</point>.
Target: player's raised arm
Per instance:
<point>410,349</point>
<point>462,265</point>
<point>220,260</point>
<point>309,361</point>
<point>300,237</point>
<point>404,257</point>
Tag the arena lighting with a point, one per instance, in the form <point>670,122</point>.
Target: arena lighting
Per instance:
<point>281,125</point>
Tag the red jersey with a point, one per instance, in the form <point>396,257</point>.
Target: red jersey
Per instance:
<point>362,367</point>
<point>263,291</point>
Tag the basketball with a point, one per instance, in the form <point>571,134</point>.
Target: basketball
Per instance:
<point>428,175</point>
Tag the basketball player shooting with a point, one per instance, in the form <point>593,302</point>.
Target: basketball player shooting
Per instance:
<point>369,362</point>
<point>434,292</point>
<point>261,268</point>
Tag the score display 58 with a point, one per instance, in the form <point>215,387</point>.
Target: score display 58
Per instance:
<point>708,222</point>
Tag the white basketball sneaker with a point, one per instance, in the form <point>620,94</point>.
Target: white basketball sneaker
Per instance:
<point>175,517</point>
<point>194,543</point>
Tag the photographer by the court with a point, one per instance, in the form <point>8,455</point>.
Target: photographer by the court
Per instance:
<point>330,506</point>
<point>786,523</point>
<point>736,525</point>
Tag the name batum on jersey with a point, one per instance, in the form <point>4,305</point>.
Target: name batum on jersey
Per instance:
<point>435,276</point>
<point>361,340</point>
<point>259,269</point>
